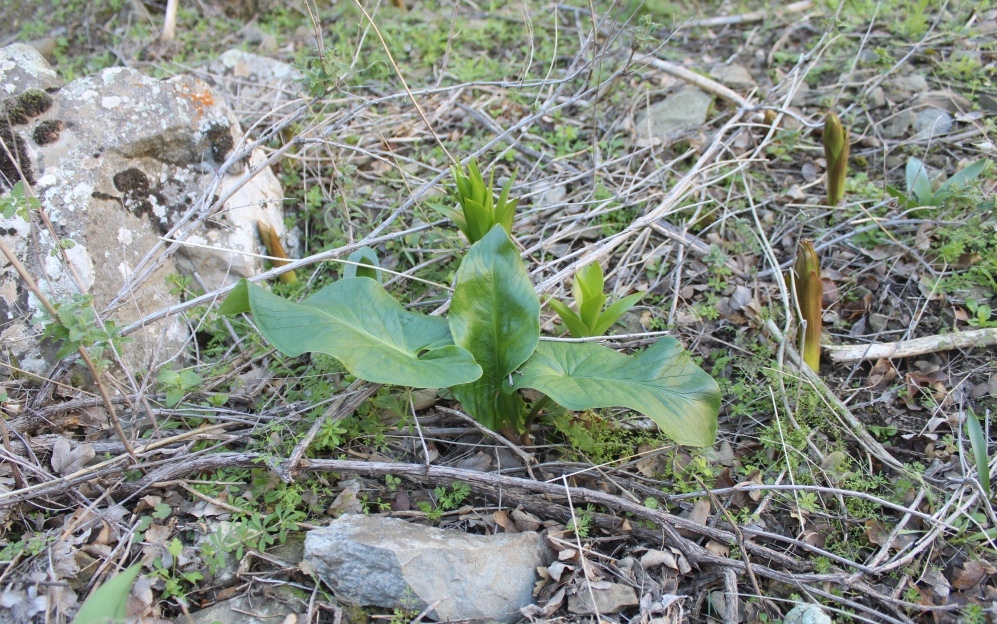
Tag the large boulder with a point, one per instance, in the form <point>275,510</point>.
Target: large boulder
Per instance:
<point>118,159</point>
<point>386,562</point>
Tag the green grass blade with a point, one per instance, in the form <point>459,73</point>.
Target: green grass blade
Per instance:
<point>978,442</point>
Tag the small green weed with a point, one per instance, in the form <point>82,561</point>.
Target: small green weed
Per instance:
<point>178,384</point>
<point>176,582</point>
<point>981,314</point>
<point>75,325</point>
<point>447,499</point>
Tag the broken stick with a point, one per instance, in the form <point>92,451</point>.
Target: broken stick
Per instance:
<point>917,346</point>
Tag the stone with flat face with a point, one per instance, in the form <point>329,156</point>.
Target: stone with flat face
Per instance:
<point>386,562</point>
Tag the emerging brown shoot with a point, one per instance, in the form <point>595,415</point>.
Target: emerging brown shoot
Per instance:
<point>836,155</point>
<point>808,290</point>
<point>276,250</point>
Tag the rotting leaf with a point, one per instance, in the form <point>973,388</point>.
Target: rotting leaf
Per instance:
<point>971,573</point>
<point>882,374</point>
<point>502,519</point>
<point>655,558</point>
<point>67,460</point>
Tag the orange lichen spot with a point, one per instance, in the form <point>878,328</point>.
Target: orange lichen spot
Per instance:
<point>200,96</point>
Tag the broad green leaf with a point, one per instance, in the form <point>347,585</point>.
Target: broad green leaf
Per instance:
<point>168,377</point>
<point>237,301</point>
<point>613,313</point>
<point>189,379</point>
<point>494,314</point>
<point>589,310</point>
<point>478,218</point>
<point>963,177</point>
<point>662,383</point>
<point>574,324</point>
<point>978,442</point>
<point>368,258</point>
<point>357,322</point>
<point>918,183</point>
<point>505,210</point>
<point>174,396</point>
<point>109,602</point>
<point>456,216</point>
<point>588,282</point>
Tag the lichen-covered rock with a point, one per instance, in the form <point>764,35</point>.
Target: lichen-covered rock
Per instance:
<point>391,563</point>
<point>22,67</point>
<point>117,159</point>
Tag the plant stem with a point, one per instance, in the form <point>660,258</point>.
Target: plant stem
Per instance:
<point>539,405</point>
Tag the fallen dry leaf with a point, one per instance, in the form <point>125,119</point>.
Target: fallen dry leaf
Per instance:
<point>654,558</point>
<point>971,573</point>
<point>882,374</point>
<point>67,460</point>
<point>502,519</point>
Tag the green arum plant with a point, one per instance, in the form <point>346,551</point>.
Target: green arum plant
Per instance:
<point>590,319</point>
<point>479,211</point>
<point>921,191</point>
<point>109,602</point>
<point>836,154</point>
<point>488,348</point>
<point>978,444</point>
<point>808,290</point>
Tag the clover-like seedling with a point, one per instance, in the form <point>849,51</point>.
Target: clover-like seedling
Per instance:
<point>588,318</point>
<point>479,211</point>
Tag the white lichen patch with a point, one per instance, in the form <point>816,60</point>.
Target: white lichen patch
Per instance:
<point>111,101</point>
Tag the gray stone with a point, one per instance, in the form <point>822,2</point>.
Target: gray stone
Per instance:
<point>807,614</point>
<point>802,94</point>
<point>988,103</point>
<point>612,599</point>
<point>424,398</point>
<point>672,117</point>
<point>251,84</point>
<point>23,67</point>
<point>734,76</point>
<point>876,98</point>
<point>903,88</point>
<point>46,46</point>
<point>116,159</point>
<point>878,322</point>
<point>245,610</point>
<point>546,194</point>
<point>386,562</point>
<point>942,99</point>
<point>931,123</point>
<point>898,125</point>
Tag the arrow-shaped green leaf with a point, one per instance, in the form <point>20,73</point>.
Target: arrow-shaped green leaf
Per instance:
<point>357,322</point>
<point>662,383</point>
<point>494,314</point>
